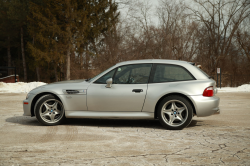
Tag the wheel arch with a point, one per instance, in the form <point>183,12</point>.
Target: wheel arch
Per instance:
<point>170,94</point>
<point>37,97</point>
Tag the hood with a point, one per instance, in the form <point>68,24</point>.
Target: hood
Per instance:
<point>69,81</point>
<point>58,87</point>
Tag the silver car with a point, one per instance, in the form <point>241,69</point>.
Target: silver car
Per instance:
<point>169,90</point>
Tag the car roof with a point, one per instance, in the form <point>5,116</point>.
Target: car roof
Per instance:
<point>153,61</point>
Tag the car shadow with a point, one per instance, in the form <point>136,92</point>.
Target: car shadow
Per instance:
<point>141,123</point>
<point>23,120</point>
<point>119,123</point>
<point>194,123</point>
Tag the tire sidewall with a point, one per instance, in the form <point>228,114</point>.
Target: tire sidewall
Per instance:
<point>183,100</point>
<point>38,104</point>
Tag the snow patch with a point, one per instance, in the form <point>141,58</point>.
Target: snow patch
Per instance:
<point>242,88</point>
<point>19,87</point>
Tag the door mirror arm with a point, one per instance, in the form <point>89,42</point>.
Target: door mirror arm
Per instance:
<point>109,83</point>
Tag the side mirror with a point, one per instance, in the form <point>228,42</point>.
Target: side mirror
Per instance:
<point>109,82</point>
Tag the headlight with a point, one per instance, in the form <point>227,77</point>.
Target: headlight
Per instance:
<point>27,96</point>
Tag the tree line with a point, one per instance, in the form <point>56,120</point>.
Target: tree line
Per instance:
<point>75,39</point>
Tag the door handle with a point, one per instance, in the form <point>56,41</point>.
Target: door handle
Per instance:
<point>137,90</point>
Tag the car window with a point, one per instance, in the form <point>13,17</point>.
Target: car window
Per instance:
<point>203,72</point>
<point>132,74</point>
<point>104,78</point>
<point>91,79</point>
<point>171,73</point>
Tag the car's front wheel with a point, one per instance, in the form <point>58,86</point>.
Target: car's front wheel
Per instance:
<point>175,112</point>
<point>49,110</point>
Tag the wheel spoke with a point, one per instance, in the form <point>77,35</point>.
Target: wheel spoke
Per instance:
<point>171,119</point>
<point>54,106</point>
<point>173,107</point>
<point>52,117</point>
<point>181,109</point>
<point>46,113</point>
<point>166,111</point>
<point>47,106</point>
<point>57,112</point>
<point>179,116</point>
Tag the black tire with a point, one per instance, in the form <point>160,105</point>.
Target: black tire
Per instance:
<point>175,116</point>
<point>49,110</point>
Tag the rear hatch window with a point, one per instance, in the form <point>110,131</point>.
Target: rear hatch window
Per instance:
<point>204,72</point>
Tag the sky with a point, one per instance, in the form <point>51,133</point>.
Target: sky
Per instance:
<point>153,5</point>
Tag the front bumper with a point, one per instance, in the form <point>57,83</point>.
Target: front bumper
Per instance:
<point>27,105</point>
<point>206,106</point>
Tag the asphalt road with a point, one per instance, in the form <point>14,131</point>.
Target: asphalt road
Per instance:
<point>216,140</point>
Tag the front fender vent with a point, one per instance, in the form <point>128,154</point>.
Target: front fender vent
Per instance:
<point>72,91</point>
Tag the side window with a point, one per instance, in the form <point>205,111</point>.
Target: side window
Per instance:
<point>133,74</point>
<point>104,78</point>
<point>171,73</point>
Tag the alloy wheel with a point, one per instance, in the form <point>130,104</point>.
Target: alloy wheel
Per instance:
<point>174,113</point>
<point>51,111</point>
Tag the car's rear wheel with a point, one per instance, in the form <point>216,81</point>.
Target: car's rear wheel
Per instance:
<point>175,112</point>
<point>49,110</point>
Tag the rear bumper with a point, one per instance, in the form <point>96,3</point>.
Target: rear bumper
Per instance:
<point>206,106</point>
<point>217,112</point>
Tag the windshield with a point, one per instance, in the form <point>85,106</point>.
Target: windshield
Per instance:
<point>89,80</point>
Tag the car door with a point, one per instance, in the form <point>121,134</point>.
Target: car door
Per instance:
<point>127,93</point>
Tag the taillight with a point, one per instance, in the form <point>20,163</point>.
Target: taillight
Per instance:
<point>208,92</point>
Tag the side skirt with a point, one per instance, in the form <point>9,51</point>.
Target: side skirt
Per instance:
<point>109,115</point>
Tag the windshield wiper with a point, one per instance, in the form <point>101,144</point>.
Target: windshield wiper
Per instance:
<point>88,79</point>
<point>211,77</point>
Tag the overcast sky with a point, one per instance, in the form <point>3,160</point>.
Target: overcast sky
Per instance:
<point>153,4</point>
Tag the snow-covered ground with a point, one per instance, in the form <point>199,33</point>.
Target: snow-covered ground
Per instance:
<point>21,87</point>
<point>242,88</point>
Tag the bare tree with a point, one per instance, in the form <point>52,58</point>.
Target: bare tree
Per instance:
<point>178,31</point>
<point>221,20</point>
<point>243,40</point>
